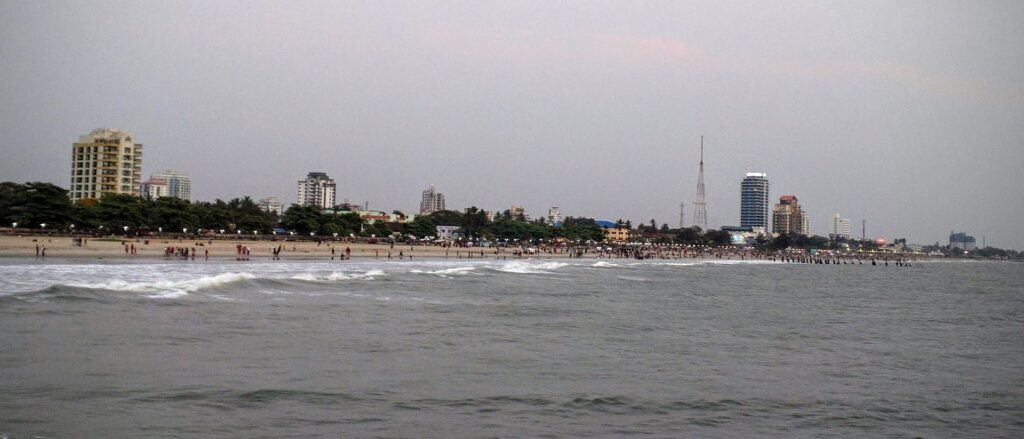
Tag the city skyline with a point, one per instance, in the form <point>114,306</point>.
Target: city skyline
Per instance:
<point>893,122</point>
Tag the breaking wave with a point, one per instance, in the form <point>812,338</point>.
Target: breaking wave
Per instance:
<point>167,288</point>
<point>529,267</point>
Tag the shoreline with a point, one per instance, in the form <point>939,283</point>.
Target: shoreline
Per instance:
<point>243,250</point>
<point>228,249</point>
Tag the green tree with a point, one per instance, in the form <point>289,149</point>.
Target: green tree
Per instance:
<point>301,219</point>
<point>32,204</point>
<point>172,214</point>
<point>114,211</point>
<point>689,235</point>
<point>474,223</point>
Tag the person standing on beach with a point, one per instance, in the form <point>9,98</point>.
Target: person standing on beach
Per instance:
<point>44,251</point>
<point>37,249</point>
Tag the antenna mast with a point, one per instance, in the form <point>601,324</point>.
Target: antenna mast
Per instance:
<point>682,217</point>
<point>700,214</point>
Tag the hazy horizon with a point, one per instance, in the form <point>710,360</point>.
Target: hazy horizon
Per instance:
<point>905,114</point>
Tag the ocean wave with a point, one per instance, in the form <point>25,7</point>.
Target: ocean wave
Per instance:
<point>604,264</point>
<point>167,288</point>
<point>337,276</point>
<point>528,267</point>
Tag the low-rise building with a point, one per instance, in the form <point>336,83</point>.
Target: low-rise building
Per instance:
<point>448,232</point>
<point>154,188</point>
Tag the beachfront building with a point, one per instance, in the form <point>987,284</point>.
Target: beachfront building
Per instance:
<point>838,227</point>
<point>448,232</point>
<point>432,201</point>
<point>178,185</point>
<point>271,205</point>
<point>554,216</point>
<point>789,218</point>
<point>154,188</point>
<point>105,161</point>
<point>317,190</point>
<point>754,200</point>
<point>517,211</point>
<point>617,234</point>
<point>962,241</point>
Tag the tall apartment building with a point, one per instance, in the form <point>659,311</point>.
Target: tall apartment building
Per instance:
<point>432,201</point>
<point>105,161</point>
<point>789,218</point>
<point>554,215</point>
<point>754,200</point>
<point>317,190</point>
<point>838,227</point>
<point>178,185</point>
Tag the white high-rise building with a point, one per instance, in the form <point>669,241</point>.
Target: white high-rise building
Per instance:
<point>271,205</point>
<point>105,161</point>
<point>178,185</point>
<point>754,200</point>
<point>317,190</point>
<point>554,215</point>
<point>838,227</point>
<point>432,201</point>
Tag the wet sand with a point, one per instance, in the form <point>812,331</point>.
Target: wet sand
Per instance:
<point>63,247</point>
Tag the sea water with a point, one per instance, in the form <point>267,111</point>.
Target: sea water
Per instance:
<point>513,348</point>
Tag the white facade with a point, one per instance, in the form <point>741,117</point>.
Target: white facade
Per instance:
<point>432,201</point>
<point>154,188</point>
<point>317,190</point>
<point>839,227</point>
<point>448,232</point>
<point>554,215</point>
<point>271,205</point>
<point>178,185</point>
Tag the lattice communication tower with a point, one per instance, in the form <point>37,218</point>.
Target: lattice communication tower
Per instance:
<point>700,213</point>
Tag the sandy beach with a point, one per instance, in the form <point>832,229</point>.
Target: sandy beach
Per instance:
<point>62,246</point>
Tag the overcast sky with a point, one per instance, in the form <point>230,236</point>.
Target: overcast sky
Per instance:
<point>907,114</point>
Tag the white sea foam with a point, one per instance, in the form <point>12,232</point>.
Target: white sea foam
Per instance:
<point>604,264</point>
<point>167,288</point>
<point>446,271</point>
<point>529,267</point>
<point>336,276</point>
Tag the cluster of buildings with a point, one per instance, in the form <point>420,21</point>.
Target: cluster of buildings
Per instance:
<point>107,161</point>
<point>786,216</point>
